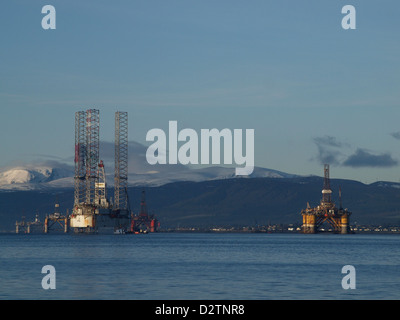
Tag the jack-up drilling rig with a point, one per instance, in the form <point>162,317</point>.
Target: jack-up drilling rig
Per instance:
<point>338,218</point>
<point>93,212</point>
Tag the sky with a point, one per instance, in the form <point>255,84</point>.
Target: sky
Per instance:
<point>313,92</point>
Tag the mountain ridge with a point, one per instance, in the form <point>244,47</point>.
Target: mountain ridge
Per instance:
<point>45,177</point>
<point>225,202</point>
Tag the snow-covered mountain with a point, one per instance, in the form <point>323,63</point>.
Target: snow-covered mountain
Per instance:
<point>53,174</point>
<point>35,177</point>
<point>156,178</point>
<point>50,177</point>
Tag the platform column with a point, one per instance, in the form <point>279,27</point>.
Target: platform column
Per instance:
<point>344,224</point>
<point>66,225</point>
<point>46,224</point>
<point>309,221</point>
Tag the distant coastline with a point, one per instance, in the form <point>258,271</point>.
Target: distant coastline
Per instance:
<point>371,229</point>
<point>279,228</point>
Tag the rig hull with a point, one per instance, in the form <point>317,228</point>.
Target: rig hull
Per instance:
<point>88,219</point>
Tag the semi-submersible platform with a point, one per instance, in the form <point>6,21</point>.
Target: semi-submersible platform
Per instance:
<point>338,218</point>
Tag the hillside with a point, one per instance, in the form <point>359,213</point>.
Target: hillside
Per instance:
<point>226,202</point>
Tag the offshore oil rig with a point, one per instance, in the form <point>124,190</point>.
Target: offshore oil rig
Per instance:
<point>28,226</point>
<point>327,211</point>
<point>52,222</point>
<point>93,212</point>
<point>143,222</point>
<point>56,221</point>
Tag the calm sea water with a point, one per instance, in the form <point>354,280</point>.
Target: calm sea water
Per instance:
<point>200,266</point>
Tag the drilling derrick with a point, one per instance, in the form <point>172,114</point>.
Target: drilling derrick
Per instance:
<point>326,191</point>
<point>87,127</point>
<point>338,218</point>
<point>80,157</point>
<point>92,152</point>
<point>121,162</point>
<point>143,205</point>
<point>101,188</point>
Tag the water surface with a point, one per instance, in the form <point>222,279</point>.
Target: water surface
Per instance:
<point>199,266</point>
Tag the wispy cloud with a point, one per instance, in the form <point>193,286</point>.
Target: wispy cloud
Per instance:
<point>328,149</point>
<point>396,135</point>
<point>363,158</point>
<point>331,151</point>
<point>137,161</point>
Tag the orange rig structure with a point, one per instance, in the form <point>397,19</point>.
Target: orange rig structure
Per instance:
<point>143,222</point>
<point>338,218</point>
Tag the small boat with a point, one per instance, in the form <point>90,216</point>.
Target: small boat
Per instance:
<point>119,231</point>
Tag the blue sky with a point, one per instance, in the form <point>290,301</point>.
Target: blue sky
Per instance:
<point>312,91</point>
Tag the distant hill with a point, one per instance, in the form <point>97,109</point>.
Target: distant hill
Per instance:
<point>34,177</point>
<point>228,202</point>
<point>54,176</point>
